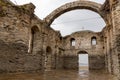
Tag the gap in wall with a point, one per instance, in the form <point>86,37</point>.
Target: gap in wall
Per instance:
<point>83,62</point>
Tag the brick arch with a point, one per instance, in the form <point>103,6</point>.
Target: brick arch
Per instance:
<point>73,6</point>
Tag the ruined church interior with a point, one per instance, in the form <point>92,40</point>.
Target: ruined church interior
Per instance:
<point>30,49</point>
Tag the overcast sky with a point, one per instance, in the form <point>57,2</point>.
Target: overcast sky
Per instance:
<point>69,22</point>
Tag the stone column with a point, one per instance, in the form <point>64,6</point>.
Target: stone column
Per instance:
<point>115,13</point>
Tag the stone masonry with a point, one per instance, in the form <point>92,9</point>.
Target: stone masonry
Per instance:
<point>28,43</point>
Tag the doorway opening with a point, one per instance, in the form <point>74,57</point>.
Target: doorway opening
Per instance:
<point>48,59</point>
<point>83,60</point>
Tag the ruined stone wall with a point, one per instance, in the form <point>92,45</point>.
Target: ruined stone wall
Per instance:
<point>28,38</point>
<point>24,39</point>
<point>115,14</point>
<point>13,26</point>
<point>83,43</point>
<point>29,44</point>
<point>111,37</point>
<point>53,40</point>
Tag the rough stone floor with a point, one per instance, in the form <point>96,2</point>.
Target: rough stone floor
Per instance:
<point>59,75</point>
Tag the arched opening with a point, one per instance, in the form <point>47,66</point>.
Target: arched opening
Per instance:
<point>33,37</point>
<point>93,41</point>
<point>48,59</point>
<point>78,20</point>
<point>89,6</point>
<point>83,60</point>
<point>73,6</point>
<point>48,50</point>
<point>34,31</point>
<point>72,42</point>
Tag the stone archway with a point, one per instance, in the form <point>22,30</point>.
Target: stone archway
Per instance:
<point>48,59</point>
<point>75,5</point>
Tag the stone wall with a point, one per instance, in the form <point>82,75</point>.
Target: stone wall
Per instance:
<point>115,12</point>
<point>29,44</point>
<point>24,39</point>
<point>83,43</point>
<point>15,25</point>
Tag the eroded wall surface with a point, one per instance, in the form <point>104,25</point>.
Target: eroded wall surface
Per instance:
<point>83,43</point>
<point>29,44</point>
<point>23,47</point>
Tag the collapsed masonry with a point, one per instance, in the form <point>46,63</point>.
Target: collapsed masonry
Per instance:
<point>29,44</point>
